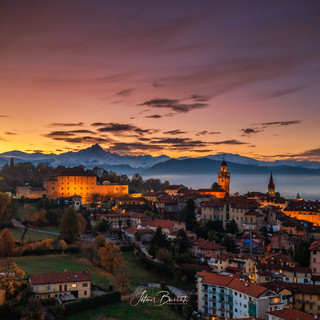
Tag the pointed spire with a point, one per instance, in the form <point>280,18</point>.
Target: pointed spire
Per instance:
<point>271,185</point>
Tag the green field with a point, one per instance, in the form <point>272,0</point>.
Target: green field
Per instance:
<point>29,236</point>
<point>139,273</point>
<point>124,311</point>
<point>59,263</point>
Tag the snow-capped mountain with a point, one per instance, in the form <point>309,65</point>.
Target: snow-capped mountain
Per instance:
<point>90,157</point>
<point>95,156</point>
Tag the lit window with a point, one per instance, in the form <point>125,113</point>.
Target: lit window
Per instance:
<point>74,285</point>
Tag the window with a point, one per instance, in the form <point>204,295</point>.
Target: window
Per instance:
<point>84,284</point>
<point>48,288</point>
<point>85,293</point>
<point>74,285</point>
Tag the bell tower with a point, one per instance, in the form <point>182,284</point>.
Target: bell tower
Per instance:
<point>224,177</point>
<point>271,186</point>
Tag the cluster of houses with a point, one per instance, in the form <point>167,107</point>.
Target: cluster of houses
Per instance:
<point>260,281</point>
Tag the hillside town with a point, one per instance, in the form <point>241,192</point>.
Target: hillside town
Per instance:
<point>255,255</point>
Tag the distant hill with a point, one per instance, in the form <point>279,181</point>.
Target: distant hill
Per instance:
<point>207,166</point>
<point>96,156</point>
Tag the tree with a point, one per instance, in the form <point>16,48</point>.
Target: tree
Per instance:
<point>111,257</point>
<point>11,277</point>
<point>53,216</point>
<point>228,242</point>
<point>137,236</point>
<point>232,227</point>
<point>6,243</point>
<point>182,241</point>
<point>99,241</point>
<point>33,310</point>
<point>164,256</point>
<point>7,211</point>
<point>69,228</point>
<point>122,280</point>
<point>213,236</point>
<point>82,223</point>
<point>102,225</point>
<point>215,185</point>
<point>302,254</point>
<point>189,214</point>
<point>159,240</point>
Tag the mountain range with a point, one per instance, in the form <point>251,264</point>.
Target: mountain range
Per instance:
<point>96,156</point>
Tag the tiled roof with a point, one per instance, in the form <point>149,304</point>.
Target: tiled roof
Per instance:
<point>253,213</point>
<point>294,287</point>
<point>76,171</point>
<point>47,278</point>
<point>274,267</point>
<point>213,278</point>
<point>168,224</point>
<point>234,283</point>
<point>315,246</point>
<point>175,187</point>
<point>248,288</point>
<point>291,314</point>
<point>278,258</point>
<point>304,206</point>
<point>207,245</point>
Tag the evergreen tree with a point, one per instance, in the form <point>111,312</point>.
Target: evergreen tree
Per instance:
<point>69,228</point>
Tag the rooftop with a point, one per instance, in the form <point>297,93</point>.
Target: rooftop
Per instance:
<point>291,314</point>
<point>68,276</point>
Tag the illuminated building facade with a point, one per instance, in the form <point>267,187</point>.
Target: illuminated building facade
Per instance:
<point>67,182</point>
<point>224,177</point>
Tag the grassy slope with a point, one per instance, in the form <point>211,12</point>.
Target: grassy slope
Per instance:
<point>58,263</point>
<point>29,236</point>
<point>124,311</point>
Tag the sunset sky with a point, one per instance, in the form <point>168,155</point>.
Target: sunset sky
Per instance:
<point>182,78</point>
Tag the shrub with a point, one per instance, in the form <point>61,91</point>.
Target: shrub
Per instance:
<point>92,302</point>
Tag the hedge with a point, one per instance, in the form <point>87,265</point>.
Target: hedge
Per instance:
<point>95,301</point>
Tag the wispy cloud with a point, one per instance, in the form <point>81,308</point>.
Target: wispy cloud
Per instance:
<point>177,106</point>
<point>125,93</point>
<point>153,116</point>
<point>259,127</point>
<point>280,93</point>
<point>63,124</point>
<point>205,132</point>
<point>177,131</point>
<point>121,128</point>
<point>232,142</point>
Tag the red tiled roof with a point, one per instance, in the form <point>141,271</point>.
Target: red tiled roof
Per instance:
<point>315,246</point>
<point>234,283</point>
<point>291,314</point>
<point>248,288</point>
<point>168,224</point>
<point>294,287</point>
<point>47,278</point>
<point>215,279</point>
<point>207,245</point>
<point>274,266</point>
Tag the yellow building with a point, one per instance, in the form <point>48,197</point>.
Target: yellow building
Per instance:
<point>67,182</point>
<point>71,285</point>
